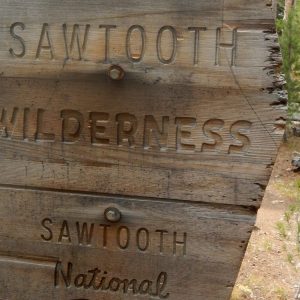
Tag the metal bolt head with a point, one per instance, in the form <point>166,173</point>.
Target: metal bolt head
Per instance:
<point>112,215</point>
<point>116,73</point>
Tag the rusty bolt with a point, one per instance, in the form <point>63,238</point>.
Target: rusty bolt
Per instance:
<point>112,215</point>
<point>116,73</point>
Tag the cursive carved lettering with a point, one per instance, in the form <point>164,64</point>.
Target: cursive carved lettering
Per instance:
<point>99,280</point>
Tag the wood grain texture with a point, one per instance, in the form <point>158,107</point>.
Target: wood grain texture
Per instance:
<point>204,267</point>
<point>235,144</point>
<point>22,31</point>
<point>163,110</point>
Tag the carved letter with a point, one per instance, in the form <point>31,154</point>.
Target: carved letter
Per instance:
<point>64,232</point>
<point>152,132</point>
<point>7,125</point>
<point>45,32</point>
<point>123,242</point>
<point>105,227</point>
<point>126,128</point>
<point>107,41</point>
<point>92,283</point>
<point>114,284</point>
<point>238,131</point>
<point>40,135</point>
<point>196,42</point>
<point>161,284</point>
<point>161,242</point>
<point>130,286</point>
<point>181,243</point>
<point>81,47</point>
<point>232,46</point>
<point>135,58</point>
<point>26,123</point>
<point>71,131</point>
<point>66,277</point>
<point>145,287</point>
<point>210,129</point>
<point>84,233</point>
<point>183,134</point>
<point>171,59</point>
<point>98,121</point>
<point>80,280</point>
<point>146,239</point>
<point>49,238</point>
<point>20,39</point>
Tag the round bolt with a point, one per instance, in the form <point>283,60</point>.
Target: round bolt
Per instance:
<point>116,73</point>
<point>112,215</point>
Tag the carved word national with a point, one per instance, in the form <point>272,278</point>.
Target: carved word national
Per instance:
<point>163,133</point>
<point>99,280</point>
<point>97,43</point>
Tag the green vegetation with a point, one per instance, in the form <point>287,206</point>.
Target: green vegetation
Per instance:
<point>290,258</point>
<point>281,293</point>
<point>281,229</point>
<point>289,32</point>
<point>289,227</point>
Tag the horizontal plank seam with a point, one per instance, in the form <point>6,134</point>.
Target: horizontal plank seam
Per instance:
<point>251,210</point>
<point>49,262</point>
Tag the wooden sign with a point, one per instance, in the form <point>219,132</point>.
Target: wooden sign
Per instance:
<point>64,247</point>
<point>137,139</point>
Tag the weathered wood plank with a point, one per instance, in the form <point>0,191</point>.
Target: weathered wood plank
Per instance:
<point>250,58</point>
<point>162,29</point>
<point>200,256</point>
<point>259,12</point>
<point>182,144</point>
<point>170,145</point>
<point>175,185</point>
<point>48,113</point>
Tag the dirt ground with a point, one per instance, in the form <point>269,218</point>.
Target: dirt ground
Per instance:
<point>271,268</point>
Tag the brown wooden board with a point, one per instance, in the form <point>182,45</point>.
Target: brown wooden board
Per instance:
<point>174,41</point>
<point>73,135</point>
<point>165,110</point>
<point>49,239</point>
<point>43,37</point>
